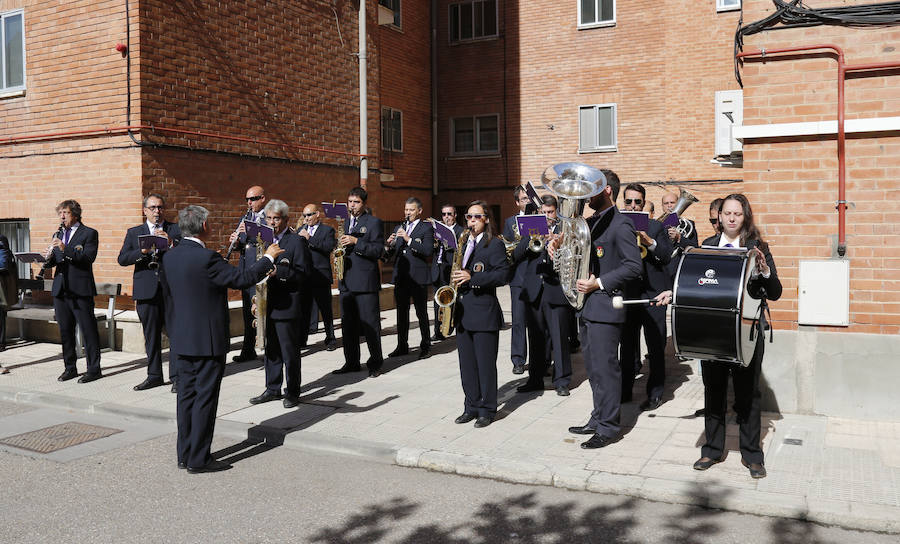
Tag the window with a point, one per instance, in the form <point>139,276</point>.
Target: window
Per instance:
<point>597,128</point>
<point>391,129</point>
<point>593,13</point>
<point>393,5</point>
<point>475,135</point>
<point>728,5</point>
<point>18,232</point>
<point>12,52</point>
<point>473,20</point>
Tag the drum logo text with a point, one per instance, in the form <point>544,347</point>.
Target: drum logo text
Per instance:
<point>710,278</point>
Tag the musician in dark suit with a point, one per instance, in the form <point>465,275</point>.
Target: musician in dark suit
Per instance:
<point>316,294</point>
<point>360,310</point>
<point>412,245</point>
<point>679,242</point>
<point>518,349</point>
<point>440,268</point>
<point>548,313</point>
<point>196,280</point>
<point>478,315</point>
<point>615,260</point>
<point>654,279</point>
<point>150,304</point>
<point>256,202</point>
<point>73,251</point>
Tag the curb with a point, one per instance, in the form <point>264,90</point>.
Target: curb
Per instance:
<point>865,517</point>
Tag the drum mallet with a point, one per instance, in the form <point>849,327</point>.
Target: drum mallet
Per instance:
<point>619,302</point>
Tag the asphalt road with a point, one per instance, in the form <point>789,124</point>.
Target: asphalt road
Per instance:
<point>135,494</point>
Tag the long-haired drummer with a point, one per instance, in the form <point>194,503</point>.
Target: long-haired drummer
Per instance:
<point>478,315</point>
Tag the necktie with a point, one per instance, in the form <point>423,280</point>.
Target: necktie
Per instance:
<point>470,248</point>
<point>68,233</point>
<point>312,230</point>
<point>409,229</point>
<point>728,245</point>
<point>352,223</point>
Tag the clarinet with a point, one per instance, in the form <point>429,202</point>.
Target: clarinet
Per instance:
<point>232,244</point>
<point>47,265</point>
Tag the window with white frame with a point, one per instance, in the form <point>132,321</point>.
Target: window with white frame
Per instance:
<point>593,13</point>
<point>728,5</point>
<point>12,51</point>
<point>473,20</point>
<point>393,5</point>
<point>597,128</point>
<point>391,129</point>
<point>477,135</point>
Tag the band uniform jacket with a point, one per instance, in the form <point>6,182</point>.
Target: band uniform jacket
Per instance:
<point>477,307</point>
<point>291,269</point>
<point>411,261</point>
<point>682,244</point>
<point>540,281</point>
<point>443,260</point>
<point>517,279</point>
<point>772,284</point>
<point>655,276</point>
<point>197,279</point>
<point>321,244</point>
<point>615,260</point>
<point>145,280</point>
<point>362,273</point>
<point>74,266</point>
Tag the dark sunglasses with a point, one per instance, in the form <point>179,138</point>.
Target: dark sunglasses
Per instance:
<point>713,221</point>
<point>448,213</point>
<point>635,200</point>
<point>310,214</point>
<point>255,198</point>
<point>475,216</point>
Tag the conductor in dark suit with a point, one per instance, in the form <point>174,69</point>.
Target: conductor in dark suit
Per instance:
<point>73,251</point>
<point>441,264</point>
<point>256,202</point>
<point>654,280</point>
<point>360,310</point>
<point>197,280</point>
<point>283,311</point>
<point>316,294</point>
<point>150,304</point>
<point>518,349</point>
<point>615,260</point>
<point>412,245</point>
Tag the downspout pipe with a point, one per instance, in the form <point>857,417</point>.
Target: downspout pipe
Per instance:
<point>363,100</point>
<point>434,99</point>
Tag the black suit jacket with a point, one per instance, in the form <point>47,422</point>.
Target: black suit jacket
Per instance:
<point>291,269</point>
<point>196,280</point>
<point>615,260</point>
<point>772,284</point>
<point>655,277</point>
<point>362,273</point>
<point>443,261</point>
<point>411,263</point>
<point>478,308</point>
<point>74,266</point>
<point>145,281</point>
<point>321,244</point>
<point>540,281</point>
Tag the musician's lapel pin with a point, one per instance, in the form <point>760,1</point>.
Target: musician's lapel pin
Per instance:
<point>79,247</point>
<point>418,240</point>
<point>362,230</point>
<point>599,252</point>
<point>478,267</point>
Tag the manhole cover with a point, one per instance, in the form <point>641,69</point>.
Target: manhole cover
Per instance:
<point>58,437</point>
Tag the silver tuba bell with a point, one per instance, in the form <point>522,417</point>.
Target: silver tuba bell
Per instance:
<point>573,184</point>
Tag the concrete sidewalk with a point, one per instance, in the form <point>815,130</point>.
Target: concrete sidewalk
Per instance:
<point>833,471</point>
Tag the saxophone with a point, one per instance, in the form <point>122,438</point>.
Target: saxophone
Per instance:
<point>260,301</point>
<point>339,252</point>
<point>445,296</point>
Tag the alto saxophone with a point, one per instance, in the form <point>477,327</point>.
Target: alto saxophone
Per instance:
<point>260,301</point>
<point>445,296</point>
<point>339,252</point>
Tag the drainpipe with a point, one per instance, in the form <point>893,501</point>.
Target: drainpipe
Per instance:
<point>363,100</point>
<point>434,100</point>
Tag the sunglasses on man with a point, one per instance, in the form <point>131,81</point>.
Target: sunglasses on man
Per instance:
<point>309,214</point>
<point>713,221</point>
<point>637,201</point>
<point>254,198</point>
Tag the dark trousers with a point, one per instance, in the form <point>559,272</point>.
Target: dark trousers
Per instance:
<point>69,311</point>
<point>600,343</point>
<point>248,347</point>
<point>518,348</point>
<point>282,356</point>
<point>477,352</point>
<point>405,290</point>
<point>746,404</point>
<point>152,313</point>
<point>653,321</point>
<point>360,316</point>
<point>315,299</point>
<point>2,328</point>
<point>548,338</point>
<point>199,381</point>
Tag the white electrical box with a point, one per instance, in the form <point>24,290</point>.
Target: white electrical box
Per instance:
<point>729,114</point>
<point>824,297</point>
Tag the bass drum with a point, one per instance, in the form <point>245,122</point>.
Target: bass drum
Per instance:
<point>712,312</point>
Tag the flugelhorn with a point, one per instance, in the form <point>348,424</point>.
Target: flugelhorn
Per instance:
<point>685,199</point>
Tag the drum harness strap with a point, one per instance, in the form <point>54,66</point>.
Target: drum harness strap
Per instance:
<point>759,319</point>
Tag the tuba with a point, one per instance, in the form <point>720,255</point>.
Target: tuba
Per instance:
<point>685,229</point>
<point>573,184</point>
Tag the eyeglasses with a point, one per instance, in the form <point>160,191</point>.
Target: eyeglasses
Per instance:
<point>445,214</point>
<point>155,207</point>
<point>475,216</point>
<point>637,201</point>
<point>310,214</point>
<point>255,198</point>
<point>713,221</point>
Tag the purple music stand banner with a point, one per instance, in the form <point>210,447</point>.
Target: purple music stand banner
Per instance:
<point>671,220</point>
<point>641,220</point>
<point>265,232</point>
<point>445,235</point>
<point>532,224</point>
<point>336,210</point>
<point>151,241</point>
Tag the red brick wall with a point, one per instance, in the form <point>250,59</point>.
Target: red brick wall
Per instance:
<point>793,182</point>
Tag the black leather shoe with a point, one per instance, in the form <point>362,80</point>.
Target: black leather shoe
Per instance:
<point>148,384</point>
<point>438,337</point>
<point>182,465</point>
<point>90,377</point>
<point>212,466</point>
<point>528,387</point>
<point>244,357</point>
<point>174,387</point>
<point>331,345</point>
<point>424,353</point>
<point>651,404</point>
<point>465,418</point>
<point>562,391</point>
<point>291,401</point>
<point>705,462</point>
<point>596,441</point>
<point>584,429</point>
<point>483,421</point>
<point>267,396</point>
<point>68,375</point>
<point>757,470</point>
<point>519,368</point>
<point>399,352</point>
<point>346,369</point>
<point>374,373</point>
